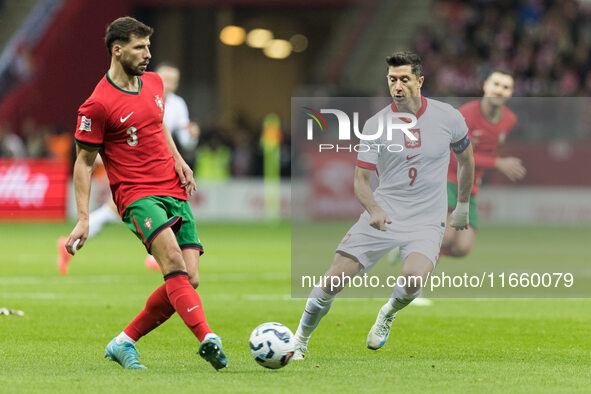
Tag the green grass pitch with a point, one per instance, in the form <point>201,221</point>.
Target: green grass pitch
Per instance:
<point>455,345</point>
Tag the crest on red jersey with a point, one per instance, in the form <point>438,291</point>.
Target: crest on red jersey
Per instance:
<point>408,143</point>
<point>148,223</point>
<point>159,103</point>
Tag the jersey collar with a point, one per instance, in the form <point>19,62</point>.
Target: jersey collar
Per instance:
<point>123,90</point>
<point>421,110</point>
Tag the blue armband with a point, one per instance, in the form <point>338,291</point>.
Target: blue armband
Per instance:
<point>461,145</point>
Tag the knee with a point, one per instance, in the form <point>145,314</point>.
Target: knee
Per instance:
<point>194,281</point>
<point>174,259</point>
<point>461,250</point>
<point>413,283</point>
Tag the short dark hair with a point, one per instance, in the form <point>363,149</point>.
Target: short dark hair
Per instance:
<point>500,70</point>
<point>404,58</point>
<point>121,30</point>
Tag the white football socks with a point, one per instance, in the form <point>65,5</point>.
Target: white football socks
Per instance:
<point>318,305</point>
<point>123,337</point>
<point>209,335</point>
<point>99,217</point>
<point>400,299</point>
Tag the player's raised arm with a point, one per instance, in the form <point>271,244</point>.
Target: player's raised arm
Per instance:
<point>182,169</point>
<point>459,217</point>
<point>82,180</point>
<point>363,192</point>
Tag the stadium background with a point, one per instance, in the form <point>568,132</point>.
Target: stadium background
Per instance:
<point>53,55</point>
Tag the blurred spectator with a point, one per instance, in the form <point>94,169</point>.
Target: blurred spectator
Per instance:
<point>242,154</point>
<point>11,145</point>
<point>59,144</point>
<point>213,159</point>
<point>35,138</point>
<point>544,42</point>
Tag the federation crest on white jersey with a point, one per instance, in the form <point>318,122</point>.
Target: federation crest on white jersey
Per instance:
<point>272,345</point>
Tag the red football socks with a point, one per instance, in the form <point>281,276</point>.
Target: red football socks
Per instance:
<point>186,303</point>
<point>158,309</point>
<point>175,294</point>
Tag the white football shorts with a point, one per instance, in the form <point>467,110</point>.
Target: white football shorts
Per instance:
<point>368,245</point>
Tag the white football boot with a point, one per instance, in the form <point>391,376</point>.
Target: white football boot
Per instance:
<point>301,348</point>
<point>380,330</point>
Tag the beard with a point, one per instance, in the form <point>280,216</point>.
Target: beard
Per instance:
<point>130,69</point>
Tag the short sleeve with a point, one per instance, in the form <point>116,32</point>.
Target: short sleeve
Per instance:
<point>369,150</point>
<point>90,127</point>
<point>459,129</point>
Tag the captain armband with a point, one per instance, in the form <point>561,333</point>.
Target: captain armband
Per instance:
<point>461,145</point>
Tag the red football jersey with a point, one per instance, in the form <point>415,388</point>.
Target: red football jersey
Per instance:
<point>485,137</point>
<point>127,127</point>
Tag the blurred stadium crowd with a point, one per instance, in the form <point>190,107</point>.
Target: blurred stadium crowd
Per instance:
<point>545,43</point>
<point>221,154</point>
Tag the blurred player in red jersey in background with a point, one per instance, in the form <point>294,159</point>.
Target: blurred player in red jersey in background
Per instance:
<point>489,122</point>
<point>123,120</point>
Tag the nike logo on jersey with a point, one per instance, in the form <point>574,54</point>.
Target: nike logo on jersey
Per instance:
<point>410,157</point>
<point>124,119</point>
<point>190,309</point>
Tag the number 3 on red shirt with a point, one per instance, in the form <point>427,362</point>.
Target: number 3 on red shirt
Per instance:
<point>132,140</point>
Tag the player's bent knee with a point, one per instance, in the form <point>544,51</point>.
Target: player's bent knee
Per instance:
<point>412,282</point>
<point>174,260</point>
<point>461,250</point>
<point>194,281</point>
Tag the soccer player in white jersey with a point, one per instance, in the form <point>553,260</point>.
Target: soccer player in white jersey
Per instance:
<point>176,115</point>
<point>409,207</point>
<point>186,136</point>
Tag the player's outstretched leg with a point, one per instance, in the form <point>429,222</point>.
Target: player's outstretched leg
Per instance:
<point>124,353</point>
<point>151,263</point>
<point>458,243</point>
<point>317,305</point>
<point>183,297</point>
<point>187,304</point>
<point>378,334</point>
<point>63,257</point>
<point>415,270</point>
<point>107,213</point>
<point>212,351</point>
<point>320,300</point>
<point>157,310</point>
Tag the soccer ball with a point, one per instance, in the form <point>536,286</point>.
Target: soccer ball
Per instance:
<point>272,345</point>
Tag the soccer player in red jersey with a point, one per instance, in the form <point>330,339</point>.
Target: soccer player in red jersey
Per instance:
<point>122,120</point>
<point>489,122</point>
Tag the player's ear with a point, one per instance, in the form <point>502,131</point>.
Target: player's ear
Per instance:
<point>420,81</point>
<point>116,50</point>
<point>484,85</point>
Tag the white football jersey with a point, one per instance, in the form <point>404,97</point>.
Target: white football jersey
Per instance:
<point>176,119</point>
<point>412,182</point>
